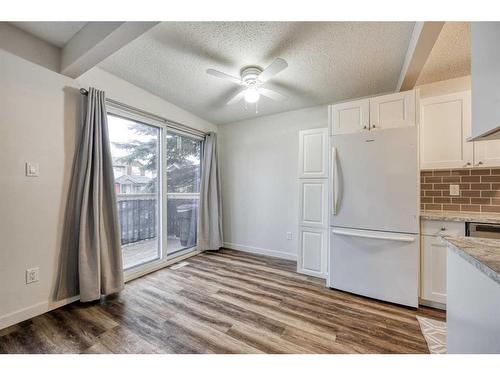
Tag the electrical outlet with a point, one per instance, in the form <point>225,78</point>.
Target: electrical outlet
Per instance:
<point>289,235</point>
<point>32,275</point>
<point>454,190</point>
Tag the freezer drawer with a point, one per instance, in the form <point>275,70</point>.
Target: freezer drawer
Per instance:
<point>374,264</point>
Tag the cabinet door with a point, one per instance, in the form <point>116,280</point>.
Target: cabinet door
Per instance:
<point>485,69</point>
<point>313,153</point>
<point>433,270</point>
<point>313,205</point>
<point>445,123</point>
<point>350,117</point>
<point>312,252</point>
<point>487,153</point>
<point>392,111</point>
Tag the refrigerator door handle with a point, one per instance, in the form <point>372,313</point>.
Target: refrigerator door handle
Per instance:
<point>335,181</point>
<point>376,235</point>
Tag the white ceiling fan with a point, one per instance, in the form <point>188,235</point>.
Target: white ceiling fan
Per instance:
<point>251,79</point>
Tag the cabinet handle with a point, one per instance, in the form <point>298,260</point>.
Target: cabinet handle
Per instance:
<point>373,126</point>
<point>478,164</point>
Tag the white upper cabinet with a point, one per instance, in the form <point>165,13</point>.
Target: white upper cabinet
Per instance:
<point>392,111</point>
<point>485,68</point>
<point>487,153</point>
<point>313,153</point>
<point>381,112</point>
<point>350,117</point>
<point>444,126</point>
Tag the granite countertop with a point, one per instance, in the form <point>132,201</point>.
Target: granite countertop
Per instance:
<point>482,253</point>
<point>480,217</point>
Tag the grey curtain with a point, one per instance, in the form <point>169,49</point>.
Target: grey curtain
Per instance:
<point>210,213</point>
<point>91,259</point>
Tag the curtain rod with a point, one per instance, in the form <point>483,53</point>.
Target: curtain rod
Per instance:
<point>173,124</point>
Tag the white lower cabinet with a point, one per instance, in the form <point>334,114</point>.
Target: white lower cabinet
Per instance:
<point>433,260</point>
<point>433,273</point>
<point>313,251</point>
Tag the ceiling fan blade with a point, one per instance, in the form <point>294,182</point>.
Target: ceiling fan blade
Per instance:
<point>276,66</point>
<point>237,97</point>
<point>228,77</point>
<point>274,95</point>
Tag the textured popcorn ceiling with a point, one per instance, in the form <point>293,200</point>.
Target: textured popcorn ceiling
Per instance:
<point>450,56</point>
<point>56,33</point>
<point>328,62</point>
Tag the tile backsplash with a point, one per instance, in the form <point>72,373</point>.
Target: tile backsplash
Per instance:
<point>479,190</point>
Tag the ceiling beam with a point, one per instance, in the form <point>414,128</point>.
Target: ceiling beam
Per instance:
<point>96,41</point>
<point>423,38</point>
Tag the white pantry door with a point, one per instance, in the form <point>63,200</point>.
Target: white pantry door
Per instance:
<point>313,202</point>
<point>313,247</point>
<point>313,153</point>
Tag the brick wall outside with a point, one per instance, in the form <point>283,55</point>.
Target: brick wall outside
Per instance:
<point>479,190</point>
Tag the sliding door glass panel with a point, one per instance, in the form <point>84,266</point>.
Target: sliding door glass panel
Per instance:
<point>135,150</point>
<point>183,191</point>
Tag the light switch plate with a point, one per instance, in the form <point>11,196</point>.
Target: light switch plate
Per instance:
<point>289,235</point>
<point>454,190</point>
<point>32,169</point>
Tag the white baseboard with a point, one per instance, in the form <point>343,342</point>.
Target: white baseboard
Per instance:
<point>32,311</point>
<point>261,251</point>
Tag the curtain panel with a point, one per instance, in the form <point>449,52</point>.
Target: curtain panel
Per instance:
<point>210,213</point>
<point>91,259</point>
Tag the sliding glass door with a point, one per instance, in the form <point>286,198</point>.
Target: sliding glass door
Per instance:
<point>157,182</point>
<point>135,150</point>
<point>183,191</point>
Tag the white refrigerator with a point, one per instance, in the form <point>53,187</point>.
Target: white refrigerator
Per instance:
<point>374,222</point>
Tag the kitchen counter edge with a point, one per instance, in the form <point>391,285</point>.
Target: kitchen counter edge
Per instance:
<point>478,217</point>
<point>482,253</point>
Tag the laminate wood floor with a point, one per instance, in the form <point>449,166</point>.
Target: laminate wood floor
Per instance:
<point>224,302</point>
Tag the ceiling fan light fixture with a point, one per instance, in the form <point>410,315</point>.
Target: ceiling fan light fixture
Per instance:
<point>252,95</point>
<point>252,78</point>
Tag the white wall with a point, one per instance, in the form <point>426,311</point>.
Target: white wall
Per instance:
<point>259,163</point>
<point>38,113</point>
<point>39,118</point>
